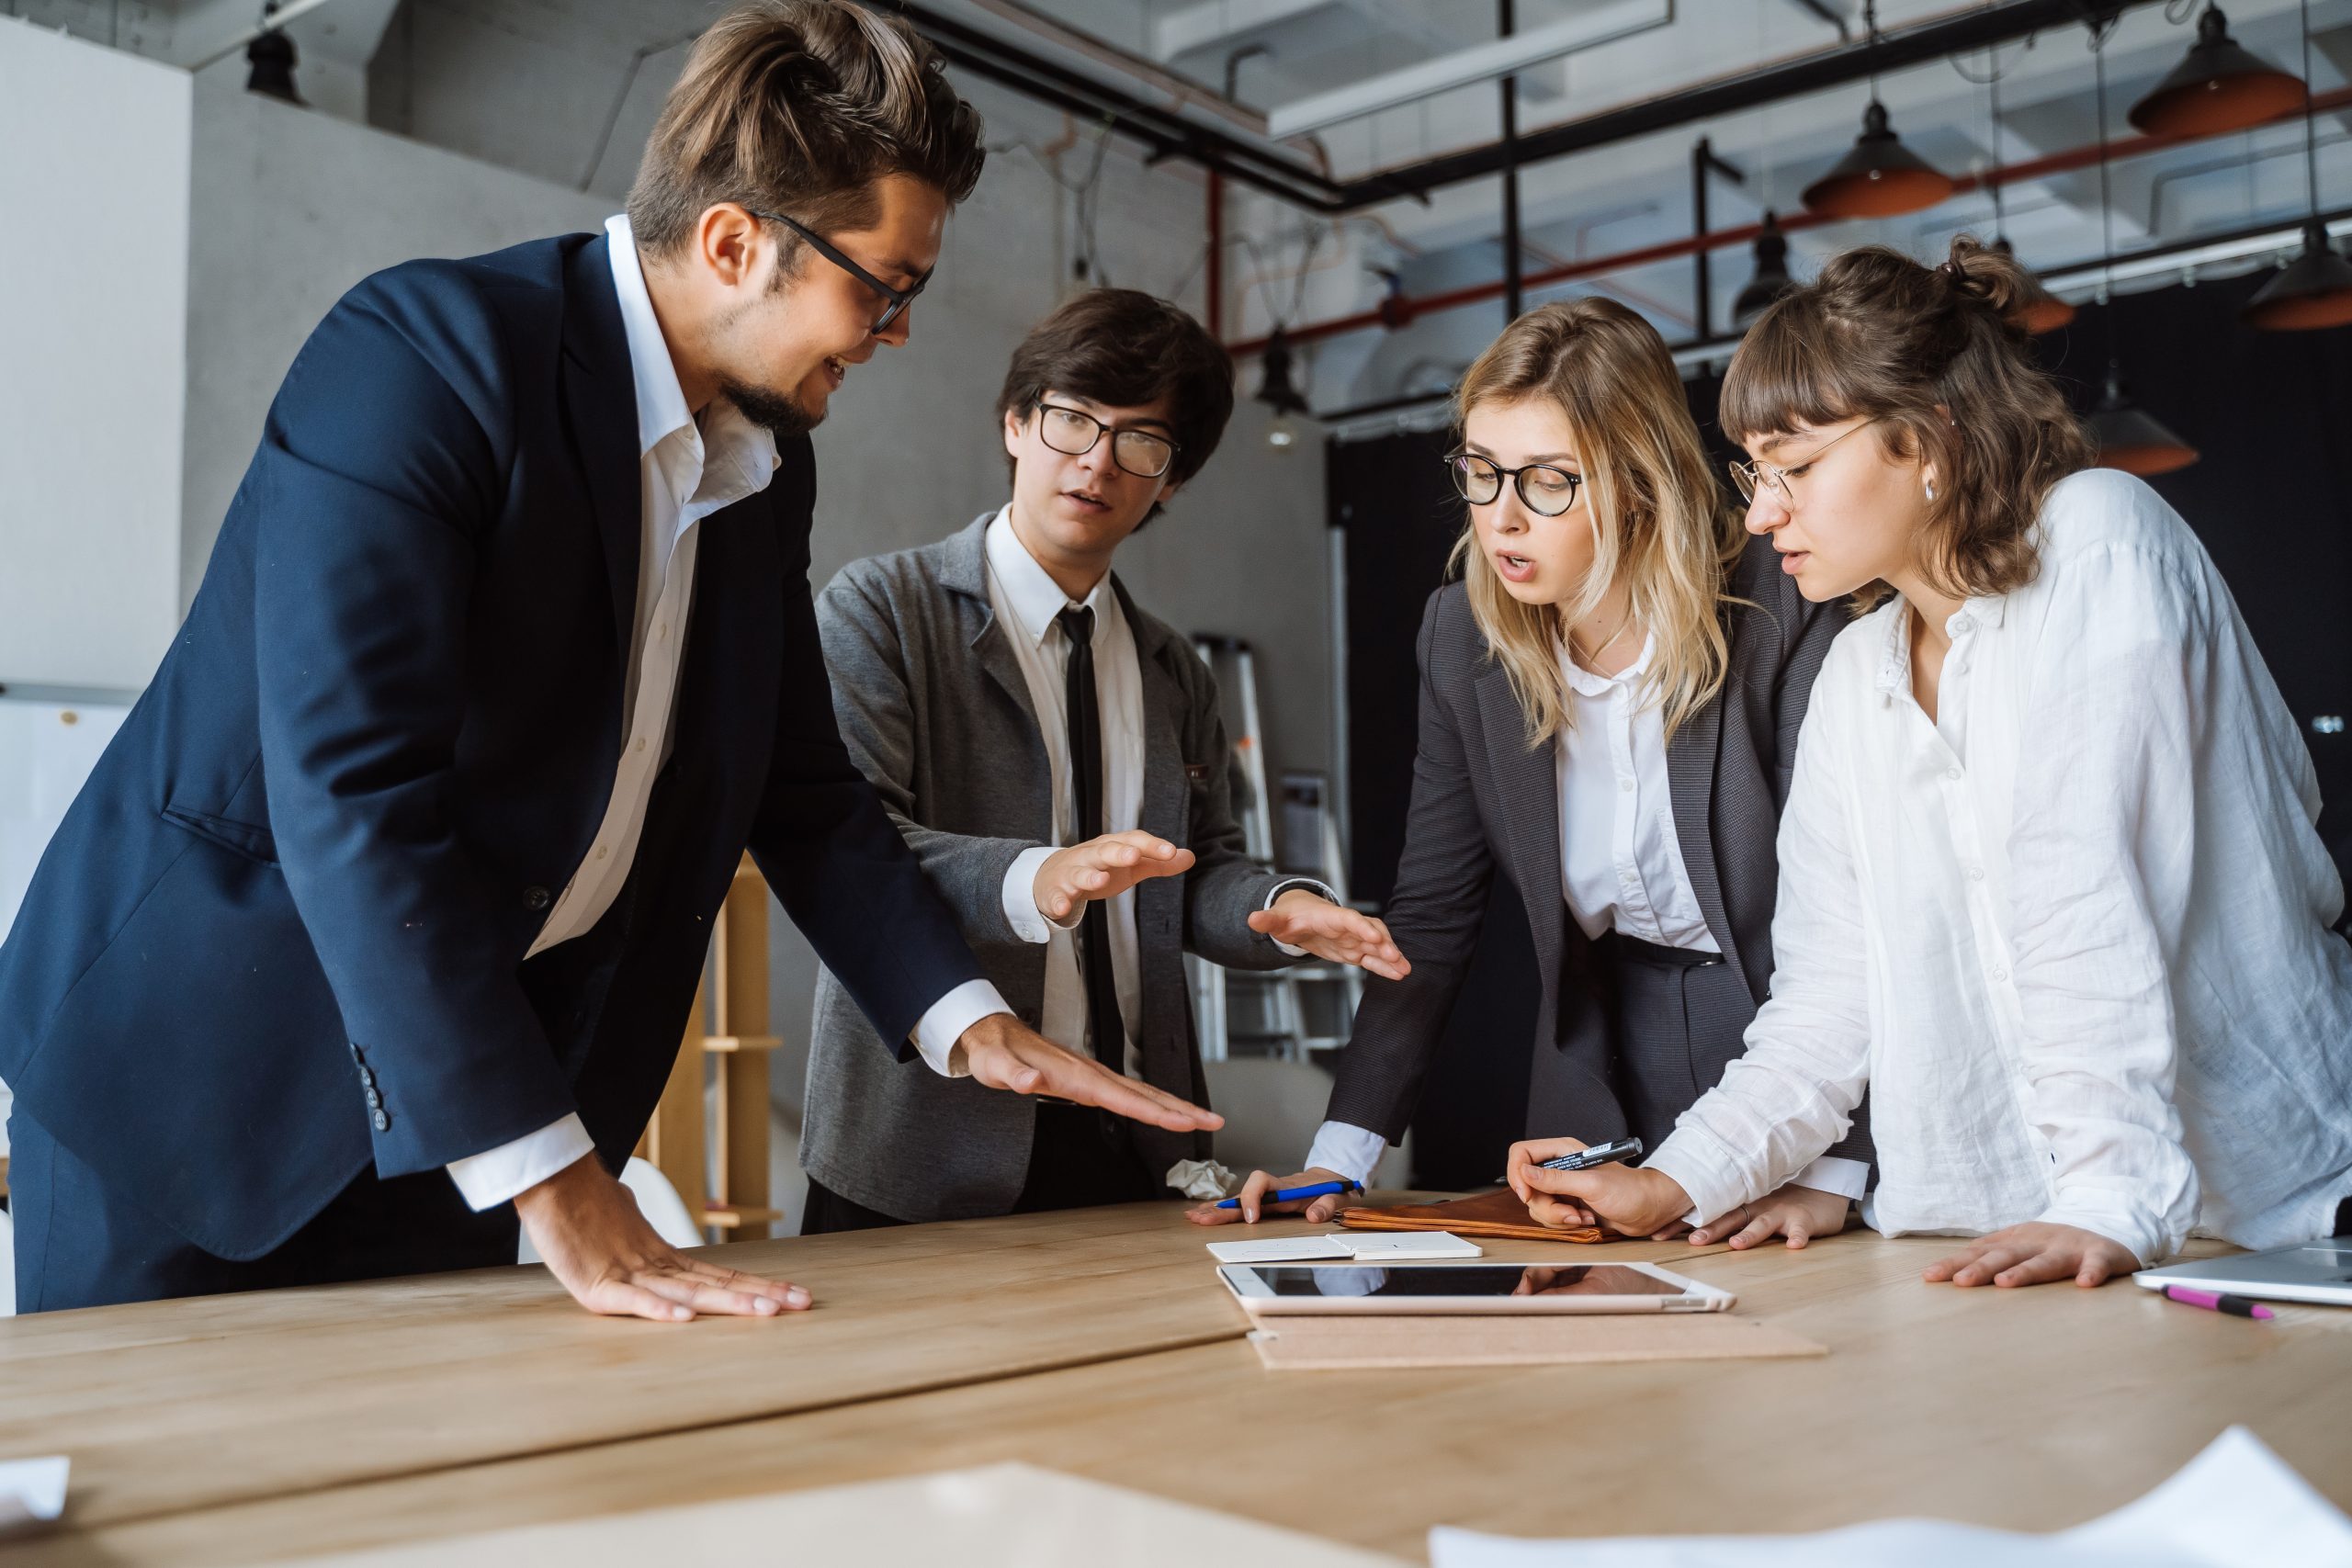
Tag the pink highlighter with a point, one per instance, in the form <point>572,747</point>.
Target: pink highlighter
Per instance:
<point>2237,1307</point>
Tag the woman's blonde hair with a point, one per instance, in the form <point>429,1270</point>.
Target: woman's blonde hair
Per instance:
<point>1936,357</point>
<point>1660,516</point>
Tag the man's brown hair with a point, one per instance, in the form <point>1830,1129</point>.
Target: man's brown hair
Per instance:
<point>797,107</point>
<point>1123,348</point>
<point>1936,355</point>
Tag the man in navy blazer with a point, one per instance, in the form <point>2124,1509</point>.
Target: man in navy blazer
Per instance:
<point>402,868</point>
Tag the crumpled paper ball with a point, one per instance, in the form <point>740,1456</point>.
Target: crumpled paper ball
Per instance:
<point>1203,1179</point>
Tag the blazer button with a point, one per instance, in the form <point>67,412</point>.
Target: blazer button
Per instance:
<point>383,1122</point>
<point>536,898</point>
<point>375,1100</point>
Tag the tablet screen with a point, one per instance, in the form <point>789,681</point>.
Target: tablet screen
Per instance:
<point>1465,1279</point>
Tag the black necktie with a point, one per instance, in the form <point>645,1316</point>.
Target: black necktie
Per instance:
<point>1083,710</point>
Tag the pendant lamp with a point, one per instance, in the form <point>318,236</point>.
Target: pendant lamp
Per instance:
<point>1278,393</point>
<point>2314,290</point>
<point>2129,437</point>
<point>1771,280</point>
<point>2216,87</point>
<point>1879,176</point>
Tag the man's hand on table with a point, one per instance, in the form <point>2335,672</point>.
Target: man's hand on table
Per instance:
<point>586,1226</point>
<point>2035,1253</point>
<point>1314,1211</point>
<point>1627,1199</point>
<point>1003,1053</point>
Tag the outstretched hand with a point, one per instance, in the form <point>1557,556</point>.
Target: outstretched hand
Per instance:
<point>1301,918</point>
<point>1003,1053</point>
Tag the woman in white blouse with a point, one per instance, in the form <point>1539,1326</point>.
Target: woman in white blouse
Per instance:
<point>1609,709</point>
<point>2049,881</point>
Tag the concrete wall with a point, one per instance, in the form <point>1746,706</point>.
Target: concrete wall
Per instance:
<point>92,332</point>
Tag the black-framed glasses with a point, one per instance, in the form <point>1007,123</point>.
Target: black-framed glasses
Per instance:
<point>897,298</point>
<point>1547,490</point>
<point>1759,474</point>
<point>1073,433</point>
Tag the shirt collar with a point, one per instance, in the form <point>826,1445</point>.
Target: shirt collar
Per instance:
<point>1895,652</point>
<point>739,456</point>
<point>661,403</point>
<point>1031,594</point>
<point>1586,683</point>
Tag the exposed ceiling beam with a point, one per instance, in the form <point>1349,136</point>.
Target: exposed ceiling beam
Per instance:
<point>1485,62</point>
<point>1212,22</point>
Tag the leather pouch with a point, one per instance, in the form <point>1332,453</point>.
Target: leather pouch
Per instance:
<point>1498,1214</point>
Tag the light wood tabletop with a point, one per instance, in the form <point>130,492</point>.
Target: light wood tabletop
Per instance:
<point>2030,1409</point>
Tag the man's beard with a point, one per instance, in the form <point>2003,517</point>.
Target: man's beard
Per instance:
<point>777,412</point>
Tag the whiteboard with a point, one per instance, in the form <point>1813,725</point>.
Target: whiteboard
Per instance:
<point>93,359</point>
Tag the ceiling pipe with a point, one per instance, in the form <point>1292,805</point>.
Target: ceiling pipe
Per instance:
<point>1397,312</point>
<point>1169,134</point>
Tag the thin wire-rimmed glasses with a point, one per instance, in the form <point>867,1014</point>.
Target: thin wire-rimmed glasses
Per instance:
<point>1751,477</point>
<point>1547,490</point>
<point>896,300</point>
<point>1074,433</point>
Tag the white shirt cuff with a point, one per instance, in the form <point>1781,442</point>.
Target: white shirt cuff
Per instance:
<point>1321,891</point>
<point>495,1175</point>
<point>1830,1173</point>
<point>1705,1169</point>
<point>1348,1149</point>
<point>1029,922</point>
<point>2120,1221</point>
<point>937,1032</point>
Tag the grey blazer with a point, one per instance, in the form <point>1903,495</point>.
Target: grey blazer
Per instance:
<point>1483,798</point>
<point>934,710</point>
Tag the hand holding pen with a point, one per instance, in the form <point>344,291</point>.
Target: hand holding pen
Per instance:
<point>1315,1195</point>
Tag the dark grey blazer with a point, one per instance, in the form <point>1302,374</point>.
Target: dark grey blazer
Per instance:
<point>934,710</point>
<point>1483,798</point>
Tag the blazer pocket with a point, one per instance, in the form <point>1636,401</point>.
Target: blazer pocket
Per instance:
<point>239,837</point>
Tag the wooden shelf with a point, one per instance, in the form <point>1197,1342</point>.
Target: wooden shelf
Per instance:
<point>729,1219</point>
<point>742,1041</point>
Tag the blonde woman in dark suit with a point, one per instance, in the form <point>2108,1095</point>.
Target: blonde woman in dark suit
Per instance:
<point>1609,710</point>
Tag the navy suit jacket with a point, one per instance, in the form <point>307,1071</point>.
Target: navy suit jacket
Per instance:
<point>385,737</point>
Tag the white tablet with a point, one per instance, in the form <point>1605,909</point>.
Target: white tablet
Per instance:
<point>1432,1289</point>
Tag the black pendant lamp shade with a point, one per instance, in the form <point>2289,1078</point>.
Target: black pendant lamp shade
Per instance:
<point>1877,177</point>
<point>1771,280</point>
<point>1277,392</point>
<point>2130,438</point>
<point>2042,311</point>
<point>2314,290</point>
<point>2218,88</point>
<point>272,58</point>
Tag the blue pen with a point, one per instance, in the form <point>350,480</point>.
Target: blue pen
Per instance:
<point>1320,1189</point>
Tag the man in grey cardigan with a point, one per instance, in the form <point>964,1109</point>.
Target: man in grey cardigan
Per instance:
<point>1056,757</point>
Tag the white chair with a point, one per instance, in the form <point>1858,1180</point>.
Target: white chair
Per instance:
<point>1271,1109</point>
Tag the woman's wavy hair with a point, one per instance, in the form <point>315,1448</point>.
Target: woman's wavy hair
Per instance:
<point>1934,354</point>
<point>1660,514</point>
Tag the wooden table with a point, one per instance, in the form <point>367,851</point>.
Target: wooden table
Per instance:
<point>242,1429</point>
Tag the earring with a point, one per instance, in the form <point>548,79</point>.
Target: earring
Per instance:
<point>1931,491</point>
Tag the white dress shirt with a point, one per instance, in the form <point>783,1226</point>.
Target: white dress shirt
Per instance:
<point>687,470</point>
<point>1028,604</point>
<point>2072,934</point>
<point>1621,866</point>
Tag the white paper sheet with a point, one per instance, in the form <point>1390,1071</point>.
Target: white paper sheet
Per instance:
<point>32,1493</point>
<point>1360,1246</point>
<point>2237,1504</point>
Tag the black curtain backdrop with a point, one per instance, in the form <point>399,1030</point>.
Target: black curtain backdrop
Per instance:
<point>2271,498</point>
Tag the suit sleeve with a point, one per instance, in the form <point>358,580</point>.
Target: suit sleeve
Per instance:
<point>381,463</point>
<point>1434,916</point>
<point>825,843</point>
<point>874,707</point>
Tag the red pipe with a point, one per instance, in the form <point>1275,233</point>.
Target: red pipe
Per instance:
<point>1398,311</point>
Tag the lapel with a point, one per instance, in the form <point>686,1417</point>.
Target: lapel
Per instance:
<point>964,571</point>
<point>1690,755</point>
<point>600,401</point>
<point>1527,785</point>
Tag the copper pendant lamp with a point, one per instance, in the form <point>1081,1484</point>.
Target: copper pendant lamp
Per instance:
<point>2129,437</point>
<point>1879,176</point>
<point>2218,86</point>
<point>2041,310</point>
<point>2314,290</point>
<point>1771,280</point>
<point>2132,439</point>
